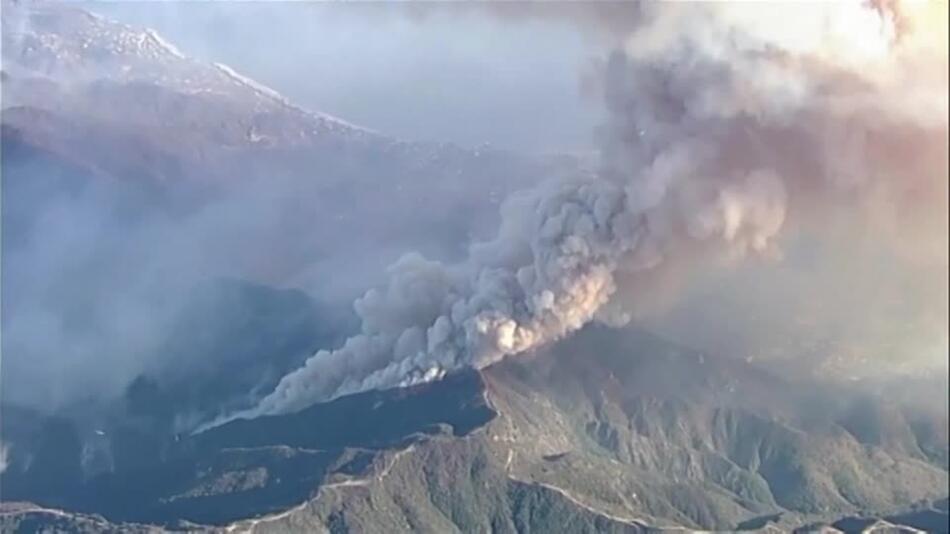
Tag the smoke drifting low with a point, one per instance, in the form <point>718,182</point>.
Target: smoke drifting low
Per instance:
<point>729,124</point>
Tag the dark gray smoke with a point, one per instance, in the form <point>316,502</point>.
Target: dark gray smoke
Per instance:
<point>728,124</point>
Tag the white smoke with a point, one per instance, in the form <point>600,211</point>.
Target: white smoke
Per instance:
<point>728,121</point>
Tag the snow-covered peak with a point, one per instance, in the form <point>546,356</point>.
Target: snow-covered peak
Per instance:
<point>56,39</point>
<point>268,92</point>
<point>71,47</point>
<point>170,48</point>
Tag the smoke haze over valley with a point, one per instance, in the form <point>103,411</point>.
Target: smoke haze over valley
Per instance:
<point>295,266</point>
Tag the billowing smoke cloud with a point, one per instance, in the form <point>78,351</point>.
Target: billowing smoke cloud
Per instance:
<point>729,123</point>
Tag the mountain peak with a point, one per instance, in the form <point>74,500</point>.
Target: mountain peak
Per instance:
<point>75,47</point>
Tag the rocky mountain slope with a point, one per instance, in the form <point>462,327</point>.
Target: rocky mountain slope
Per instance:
<point>609,432</point>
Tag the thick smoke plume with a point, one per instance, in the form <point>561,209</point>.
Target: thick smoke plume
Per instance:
<point>729,124</point>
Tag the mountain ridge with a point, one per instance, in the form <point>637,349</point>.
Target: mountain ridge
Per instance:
<point>521,444</point>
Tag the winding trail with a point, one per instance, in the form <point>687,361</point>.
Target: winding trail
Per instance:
<point>249,525</point>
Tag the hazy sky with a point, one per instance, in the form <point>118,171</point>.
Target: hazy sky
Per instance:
<point>468,78</point>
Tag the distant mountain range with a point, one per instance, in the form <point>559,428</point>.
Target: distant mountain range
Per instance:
<point>101,100</point>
